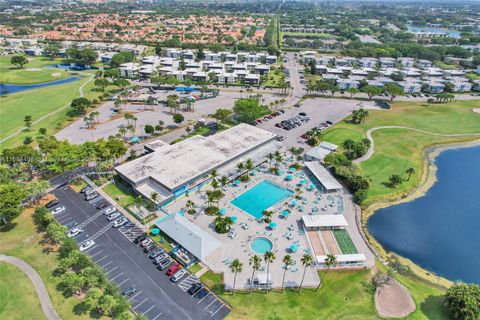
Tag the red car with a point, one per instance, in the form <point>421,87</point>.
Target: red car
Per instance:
<point>174,268</point>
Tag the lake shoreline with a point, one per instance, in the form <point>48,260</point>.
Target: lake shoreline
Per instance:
<point>427,180</point>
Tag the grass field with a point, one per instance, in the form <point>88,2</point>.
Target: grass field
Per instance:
<point>32,72</point>
<point>18,298</point>
<point>123,198</point>
<point>344,241</point>
<point>25,242</point>
<point>344,295</point>
<point>396,150</point>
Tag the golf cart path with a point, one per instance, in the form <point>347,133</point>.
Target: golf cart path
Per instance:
<point>80,90</point>
<point>371,150</point>
<point>37,282</point>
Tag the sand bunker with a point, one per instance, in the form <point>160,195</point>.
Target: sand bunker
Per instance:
<point>33,69</point>
<point>477,110</point>
<point>56,74</point>
<point>393,301</point>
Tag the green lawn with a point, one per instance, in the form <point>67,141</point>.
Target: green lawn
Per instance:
<point>275,77</point>
<point>472,76</point>
<point>123,198</point>
<point>396,150</point>
<point>32,72</point>
<point>344,295</point>
<point>25,242</point>
<point>16,288</point>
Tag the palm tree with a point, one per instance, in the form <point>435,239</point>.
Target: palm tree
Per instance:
<point>270,158</point>
<point>287,261</point>
<point>189,205</point>
<point>307,261</point>
<point>267,216</point>
<point>410,171</point>
<point>132,129</point>
<point>240,166</point>
<point>235,266</point>
<point>269,257</point>
<point>214,174</point>
<point>154,196</point>
<point>249,164</point>
<point>330,261</point>
<point>224,181</point>
<point>254,262</point>
<point>122,131</point>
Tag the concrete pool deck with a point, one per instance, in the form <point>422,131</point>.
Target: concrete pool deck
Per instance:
<point>282,237</point>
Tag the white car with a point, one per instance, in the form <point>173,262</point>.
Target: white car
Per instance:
<point>119,222</point>
<point>146,242</point>
<point>74,232</point>
<point>109,210</point>
<point>114,215</point>
<point>86,245</point>
<point>58,210</point>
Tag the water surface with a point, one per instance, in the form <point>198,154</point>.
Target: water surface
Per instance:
<point>9,88</point>
<point>441,230</point>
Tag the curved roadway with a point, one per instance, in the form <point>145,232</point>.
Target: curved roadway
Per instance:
<point>38,284</point>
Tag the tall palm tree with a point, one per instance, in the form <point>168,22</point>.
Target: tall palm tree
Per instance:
<point>154,196</point>
<point>330,261</point>
<point>410,171</point>
<point>240,166</point>
<point>307,261</point>
<point>269,257</point>
<point>223,181</point>
<point>270,158</point>
<point>249,164</point>
<point>235,266</point>
<point>214,174</point>
<point>287,261</point>
<point>122,131</point>
<point>254,262</point>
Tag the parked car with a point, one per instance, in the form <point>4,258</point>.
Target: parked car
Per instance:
<point>195,288</point>
<point>86,245</point>
<point>149,247</point>
<point>74,232</point>
<point>329,122</point>
<point>140,238</point>
<point>58,210</point>
<point>160,258</point>
<point>109,210</point>
<point>146,242</point>
<point>178,275</point>
<point>156,253</point>
<point>162,265</point>
<point>129,291</point>
<point>51,204</point>
<point>87,188</point>
<point>129,224</point>
<point>91,196</point>
<point>89,191</point>
<point>113,216</point>
<point>173,269</point>
<point>119,222</point>
<point>102,205</point>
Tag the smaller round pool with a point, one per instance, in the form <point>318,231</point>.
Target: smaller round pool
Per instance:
<point>261,245</point>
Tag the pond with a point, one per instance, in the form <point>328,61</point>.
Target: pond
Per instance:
<point>441,230</point>
<point>450,33</point>
<point>8,88</point>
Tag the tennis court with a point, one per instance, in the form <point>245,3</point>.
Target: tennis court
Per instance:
<point>344,241</point>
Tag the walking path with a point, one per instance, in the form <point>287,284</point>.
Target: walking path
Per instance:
<point>37,282</point>
<point>80,90</point>
<point>371,150</point>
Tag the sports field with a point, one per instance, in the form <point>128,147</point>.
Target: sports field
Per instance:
<point>344,241</point>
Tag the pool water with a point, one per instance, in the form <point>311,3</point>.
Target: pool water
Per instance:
<point>261,245</point>
<point>261,197</point>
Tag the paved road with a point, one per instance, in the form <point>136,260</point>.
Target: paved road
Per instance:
<point>371,150</point>
<point>38,284</point>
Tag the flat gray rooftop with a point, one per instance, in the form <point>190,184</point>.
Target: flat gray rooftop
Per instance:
<point>173,165</point>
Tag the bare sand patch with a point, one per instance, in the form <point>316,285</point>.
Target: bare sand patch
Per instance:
<point>56,74</point>
<point>32,69</point>
<point>393,300</point>
<point>476,110</point>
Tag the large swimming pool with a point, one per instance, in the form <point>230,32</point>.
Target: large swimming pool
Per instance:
<point>261,197</point>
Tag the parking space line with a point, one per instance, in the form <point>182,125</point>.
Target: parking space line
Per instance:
<point>144,313</point>
<point>96,253</point>
<point>209,293</point>
<point>210,303</point>
<point>118,275</point>
<point>158,315</point>
<point>107,264</point>
<point>118,285</point>
<point>218,309</point>
<point>134,296</point>
<point>101,259</point>
<point>65,220</point>
<point>138,305</point>
<point>88,250</point>
<point>114,268</point>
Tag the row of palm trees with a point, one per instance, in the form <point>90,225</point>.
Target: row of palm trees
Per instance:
<point>91,119</point>
<point>274,158</point>
<point>236,266</point>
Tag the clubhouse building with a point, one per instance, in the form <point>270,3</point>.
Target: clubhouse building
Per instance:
<point>171,171</point>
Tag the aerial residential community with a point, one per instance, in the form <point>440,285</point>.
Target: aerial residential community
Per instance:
<point>239,159</point>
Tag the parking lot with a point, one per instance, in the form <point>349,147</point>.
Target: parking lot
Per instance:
<point>126,265</point>
<point>319,110</point>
